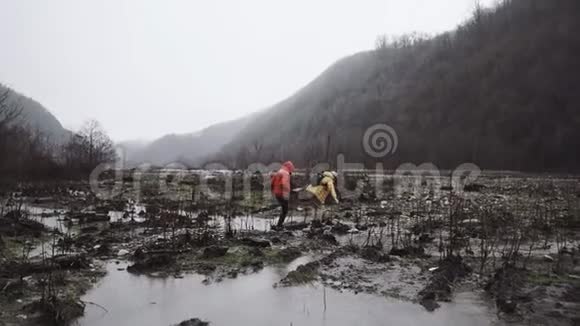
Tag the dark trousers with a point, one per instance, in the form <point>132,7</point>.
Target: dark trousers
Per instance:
<point>284,205</point>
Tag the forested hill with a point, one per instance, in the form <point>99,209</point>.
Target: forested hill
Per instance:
<point>36,117</point>
<point>501,91</point>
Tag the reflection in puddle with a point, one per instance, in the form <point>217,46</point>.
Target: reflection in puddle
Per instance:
<point>252,300</point>
<point>51,218</point>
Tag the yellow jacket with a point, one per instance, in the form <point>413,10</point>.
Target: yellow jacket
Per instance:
<point>325,187</point>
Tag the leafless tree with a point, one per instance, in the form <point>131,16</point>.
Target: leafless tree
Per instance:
<point>89,147</point>
<point>488,237</point>
<point>9,112</point>
<point>99,145</point>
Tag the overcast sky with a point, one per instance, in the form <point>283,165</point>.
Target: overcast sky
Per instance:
<point>145,68</point>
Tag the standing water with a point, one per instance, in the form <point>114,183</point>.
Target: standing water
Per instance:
<point>252,300</point>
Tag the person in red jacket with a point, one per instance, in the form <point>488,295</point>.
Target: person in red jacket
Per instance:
<point>281,188</point>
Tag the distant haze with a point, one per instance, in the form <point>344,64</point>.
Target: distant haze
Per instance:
<point>148,68</point>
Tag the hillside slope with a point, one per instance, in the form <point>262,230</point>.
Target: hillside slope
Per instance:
<point>188,149</point>
<point>37,118</point>
<point>500,91</point>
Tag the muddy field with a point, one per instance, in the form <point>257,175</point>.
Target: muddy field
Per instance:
<point>508,241</point>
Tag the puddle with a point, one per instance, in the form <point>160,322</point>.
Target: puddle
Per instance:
<point>51,218</point>
<point>56,219</point>
<point>252,300</point>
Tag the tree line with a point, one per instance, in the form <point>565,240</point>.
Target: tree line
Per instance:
<point>26,153</point>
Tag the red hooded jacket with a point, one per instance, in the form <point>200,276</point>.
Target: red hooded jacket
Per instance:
<point>281,181</point>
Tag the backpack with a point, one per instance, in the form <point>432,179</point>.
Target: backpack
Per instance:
<point>316,179</point>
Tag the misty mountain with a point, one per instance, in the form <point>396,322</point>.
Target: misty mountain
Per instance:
<point>131,148</point>
<point>36,117</point>
<point>188,149</point>
<point>500,91</point>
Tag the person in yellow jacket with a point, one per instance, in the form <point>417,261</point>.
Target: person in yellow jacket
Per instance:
<point>326,186</point>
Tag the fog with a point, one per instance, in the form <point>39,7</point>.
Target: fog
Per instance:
<point>147,68</point>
